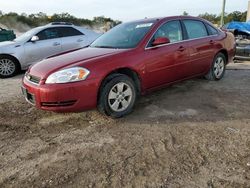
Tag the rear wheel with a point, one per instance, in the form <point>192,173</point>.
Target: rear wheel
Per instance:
<point>8,67</point>
<point>218,68</point>
<point>117,96</point>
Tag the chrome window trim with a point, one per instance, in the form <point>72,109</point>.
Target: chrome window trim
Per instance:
<point>148,48</point>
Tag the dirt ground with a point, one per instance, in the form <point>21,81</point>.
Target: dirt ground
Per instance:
<point>193,134</point>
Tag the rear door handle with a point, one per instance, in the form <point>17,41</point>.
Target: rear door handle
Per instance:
<point>211,41</point>
<point>181,49</point>
<point>56,44</point>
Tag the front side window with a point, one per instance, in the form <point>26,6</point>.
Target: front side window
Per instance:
<point>50,33</point>
<point>195,29</point>
<point>127,35</point>
<point>69,32</point>
<point>171,30</point>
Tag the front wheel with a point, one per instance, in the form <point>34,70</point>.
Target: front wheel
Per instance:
<point>218,68</point>
<point>8,67</point>
<point>117,97</point>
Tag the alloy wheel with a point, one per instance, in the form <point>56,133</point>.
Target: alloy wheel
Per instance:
<point>219,67</point>
<point>120,96</point>
<point>7,67</point>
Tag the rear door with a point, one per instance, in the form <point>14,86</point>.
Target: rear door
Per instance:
<point>201,46</point>
<point>164,62</point>
<point>72,38</point>
<point>49,44</point>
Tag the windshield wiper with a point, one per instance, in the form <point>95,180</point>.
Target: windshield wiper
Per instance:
<point>103,46</point>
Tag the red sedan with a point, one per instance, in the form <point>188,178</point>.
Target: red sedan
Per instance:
<point>131,59</point>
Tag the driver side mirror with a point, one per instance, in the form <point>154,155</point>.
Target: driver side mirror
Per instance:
<point>161,40</point>
<point>34,39</point>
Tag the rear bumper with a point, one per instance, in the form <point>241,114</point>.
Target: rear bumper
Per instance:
<point>242,52</point>
<point>70,97</point>
<point>245,58</point>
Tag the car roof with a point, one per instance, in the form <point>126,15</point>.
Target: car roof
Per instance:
<point>167,18</point>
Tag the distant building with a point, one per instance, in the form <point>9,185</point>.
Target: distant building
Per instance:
<point>248,11</point>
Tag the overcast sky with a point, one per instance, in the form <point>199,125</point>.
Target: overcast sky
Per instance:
<point>123,10</point>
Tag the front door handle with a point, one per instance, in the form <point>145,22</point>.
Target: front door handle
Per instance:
<point>181,49</point>
<point>79,40</point>
<point>56,44</point>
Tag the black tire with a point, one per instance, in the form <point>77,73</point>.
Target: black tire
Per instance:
<point>212,74</point>
<point>111,83</point>
<point>15,67</point>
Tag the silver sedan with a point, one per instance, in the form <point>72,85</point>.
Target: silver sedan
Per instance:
<point>40,43</point>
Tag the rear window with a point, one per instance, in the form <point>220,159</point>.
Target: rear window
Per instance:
<point>195,29</point>
<point>211,30</point>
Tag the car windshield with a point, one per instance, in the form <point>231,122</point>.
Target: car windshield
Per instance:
<point>127,35</point>
<point>27,35</point>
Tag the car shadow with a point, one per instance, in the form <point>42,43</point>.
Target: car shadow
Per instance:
<point>196,100</point>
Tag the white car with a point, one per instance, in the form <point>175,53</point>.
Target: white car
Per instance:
<point>40,43</point>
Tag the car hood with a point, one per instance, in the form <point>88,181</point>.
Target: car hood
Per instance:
<point>8,45</point>
<point>47,66</point>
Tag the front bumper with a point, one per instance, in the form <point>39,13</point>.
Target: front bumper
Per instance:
<point>69,97</point>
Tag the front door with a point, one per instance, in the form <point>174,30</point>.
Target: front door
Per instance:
<point>163,63</point>
<point>49,44</point>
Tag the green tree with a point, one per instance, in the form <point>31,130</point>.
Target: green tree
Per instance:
<point>210,17</point>
<point>236,16</point>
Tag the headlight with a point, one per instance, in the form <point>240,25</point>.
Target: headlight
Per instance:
<point>68,75</point>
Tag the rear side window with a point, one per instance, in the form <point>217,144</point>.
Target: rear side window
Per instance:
<point>50,33</point>
<point>69,32</point>
<point>211,30</point>
<point>195,29</point>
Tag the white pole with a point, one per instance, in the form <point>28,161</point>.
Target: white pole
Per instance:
<point>223,13</point>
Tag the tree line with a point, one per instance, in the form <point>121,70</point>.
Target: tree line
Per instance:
<point>229,17</point>
<point>34,20</point>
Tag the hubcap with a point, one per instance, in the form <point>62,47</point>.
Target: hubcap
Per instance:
<point>219,67</point>
<point>7,67</point>
<point>120,96</point>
